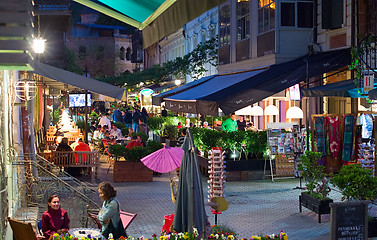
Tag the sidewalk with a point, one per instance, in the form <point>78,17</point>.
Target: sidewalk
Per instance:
<point>255,207</point>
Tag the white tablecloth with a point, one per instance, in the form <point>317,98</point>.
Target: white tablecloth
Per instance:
<point>84,232</point>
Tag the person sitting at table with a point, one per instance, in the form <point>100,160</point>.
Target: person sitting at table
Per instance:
<point>55,219</point>
<point>116,132</point>
<point>97,132</point>
<point>63,146</point>
<point>130,131</point>
<point>81,146</point>
<point>134,143</point>
<point>110,212</point>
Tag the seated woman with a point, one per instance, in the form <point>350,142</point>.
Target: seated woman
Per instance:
<point>55,219</point>
<point>63,145</point>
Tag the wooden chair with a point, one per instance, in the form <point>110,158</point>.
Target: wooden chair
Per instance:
<point>105,145</point>
<point>21,230</point>
<point>92,214</point>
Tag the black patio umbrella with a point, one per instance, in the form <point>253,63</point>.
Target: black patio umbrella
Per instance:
<point>189,212</point>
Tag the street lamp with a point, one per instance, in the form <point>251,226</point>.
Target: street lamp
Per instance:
<point>39,45</point>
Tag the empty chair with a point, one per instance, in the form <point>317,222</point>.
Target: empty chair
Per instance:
<point>21,230</point>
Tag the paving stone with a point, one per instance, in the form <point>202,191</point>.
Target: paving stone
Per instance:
<point>255,207</point>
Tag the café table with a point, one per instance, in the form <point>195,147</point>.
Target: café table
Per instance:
<point>95,233</point>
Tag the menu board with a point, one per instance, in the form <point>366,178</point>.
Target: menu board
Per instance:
<point>349,220</point>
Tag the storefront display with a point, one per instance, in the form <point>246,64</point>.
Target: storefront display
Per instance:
<point>285,148</point>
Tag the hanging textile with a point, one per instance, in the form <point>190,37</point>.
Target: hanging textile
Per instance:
<point>366,120</point>
<point>321,137</point>
<point>348,137</point>
<point>334,140</point>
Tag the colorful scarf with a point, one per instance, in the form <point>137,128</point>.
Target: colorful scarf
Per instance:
<point>321,137</point>
<point>333,126</point>
<point>348,137</point>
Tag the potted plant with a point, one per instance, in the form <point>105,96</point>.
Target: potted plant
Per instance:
<point>171,134</point>
<point>132,169</point>
<point>357,183</point>
<point>315,197</point>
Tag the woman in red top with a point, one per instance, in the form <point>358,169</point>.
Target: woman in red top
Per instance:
<point>55,219</point>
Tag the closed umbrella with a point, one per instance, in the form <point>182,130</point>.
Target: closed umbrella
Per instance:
<point>189,212</point>
<point>164,160</point>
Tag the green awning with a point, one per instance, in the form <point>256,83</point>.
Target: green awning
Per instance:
<point>157,18</point>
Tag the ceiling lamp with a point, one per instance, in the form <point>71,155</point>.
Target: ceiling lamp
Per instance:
<point>271,110</point>
<point>256,111</point>
<point>295,112</point>
<point>244,111</point>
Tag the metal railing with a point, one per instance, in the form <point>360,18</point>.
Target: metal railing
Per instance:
<point>38,179</point>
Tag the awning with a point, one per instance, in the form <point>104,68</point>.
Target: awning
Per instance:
<point>157,18</point>
<point>235,91</point>
<point>193,99</point>
<point>156,100</point>
<point>73,79</point>
<point>346,88</point>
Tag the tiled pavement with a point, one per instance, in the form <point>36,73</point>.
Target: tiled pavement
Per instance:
<point>255,207</point>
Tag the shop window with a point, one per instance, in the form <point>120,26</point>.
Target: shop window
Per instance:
<point>128,54</point>
<point>243,19</point>
<point>224,21</point>
<point>287,14</point>
<point>297,14</point>
<point>82,52</point>
<point>122,53</point>
<point>332,14</point>
<point>100,53</point>
<point>266,15</point>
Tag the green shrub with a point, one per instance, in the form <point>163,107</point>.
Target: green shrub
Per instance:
<point>117,150</point>
<point>154,145</point>
<point>94,117</point>
<point>156,124</point>
<point>119,125</point>
<point>143,136</point>
<point>171,132</point>
<point>356,183</point>
<point>313,173</point>
<point>136,153</point>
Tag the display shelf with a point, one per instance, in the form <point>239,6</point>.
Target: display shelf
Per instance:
<point>216,171</point>
<point>366,155</point>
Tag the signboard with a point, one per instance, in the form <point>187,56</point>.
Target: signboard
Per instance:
<point>368,83</point>
<point>294,92</point>
<point>349,220</point>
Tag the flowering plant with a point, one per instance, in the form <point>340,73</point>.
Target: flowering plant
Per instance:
<point>280,236</point>
<point>179,236</point>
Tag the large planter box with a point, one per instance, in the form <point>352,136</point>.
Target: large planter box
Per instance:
<point>131,172</point>
<point>372,227</point>
<point>315,204</point>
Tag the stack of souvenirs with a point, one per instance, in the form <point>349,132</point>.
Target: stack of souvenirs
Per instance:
<point>216,172</point>
<point>366,155</point>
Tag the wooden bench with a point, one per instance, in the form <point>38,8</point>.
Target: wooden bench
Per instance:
<point>76,159</point>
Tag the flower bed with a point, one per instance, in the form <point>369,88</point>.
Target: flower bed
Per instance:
<point>180,236</point>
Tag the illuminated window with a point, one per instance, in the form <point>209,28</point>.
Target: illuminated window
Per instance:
<point>243,19</point>
<point>224,22</point>
<point>266,15</point>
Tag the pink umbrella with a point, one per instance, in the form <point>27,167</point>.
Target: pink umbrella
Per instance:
<point>164,160</point>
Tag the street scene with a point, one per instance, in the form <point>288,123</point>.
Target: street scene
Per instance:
<point>185,120</point>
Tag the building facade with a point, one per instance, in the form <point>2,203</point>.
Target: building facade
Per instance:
<point>199,30</point>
